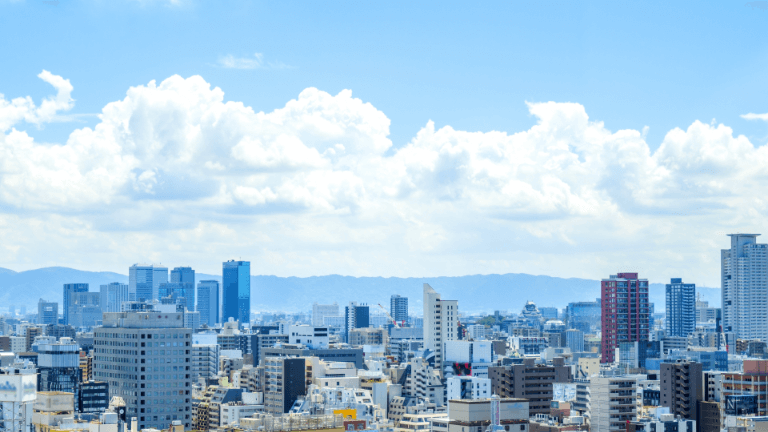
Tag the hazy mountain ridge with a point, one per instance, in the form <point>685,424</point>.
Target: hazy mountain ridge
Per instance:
<point>476,293</point>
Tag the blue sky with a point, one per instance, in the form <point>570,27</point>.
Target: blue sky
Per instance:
<point>328,182</point>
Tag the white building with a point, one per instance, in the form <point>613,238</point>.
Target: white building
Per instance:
<point>319,312</point>
<point>467,387</point>
<point>18,344</point>
<point>205,361</point>
<point>477,331</point>
<point>613,402</point>
<point>478,354</point>
<point>440,322</point>
<point>311,336</point>
<point>17,405</point>
<point>744,271</point>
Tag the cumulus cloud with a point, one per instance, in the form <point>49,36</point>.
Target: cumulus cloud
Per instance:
<point>311,188</point>
<point>752,116</point>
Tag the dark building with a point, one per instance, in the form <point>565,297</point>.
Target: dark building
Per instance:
<point>529,381</point>
<point>58,367</point>
<point>236,291</point>
<point>709,417</point>
<point>285,380</point>
<point>94,397</point>
<point>682,387</point>
<point>651,397</point>
<point>355,316</point>
<point>60,330</point>
<point>740,405</point>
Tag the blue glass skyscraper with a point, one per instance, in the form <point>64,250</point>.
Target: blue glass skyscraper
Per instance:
<point>69,294</point>
<point>186,277</point>
<point>236,287</point>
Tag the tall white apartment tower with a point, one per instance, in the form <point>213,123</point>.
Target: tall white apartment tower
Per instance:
<point>441,318</point>
<point>744,272</point>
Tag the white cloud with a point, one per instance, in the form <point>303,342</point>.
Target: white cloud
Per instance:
<point>172,172</point>
<point>229,61</point>
<point>752,116</point>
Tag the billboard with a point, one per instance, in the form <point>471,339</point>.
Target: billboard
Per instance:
<point>18,388</point>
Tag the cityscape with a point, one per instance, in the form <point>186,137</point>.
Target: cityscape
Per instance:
<point>383,216</point>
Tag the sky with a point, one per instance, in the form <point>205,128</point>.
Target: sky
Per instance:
<point>371,138</point>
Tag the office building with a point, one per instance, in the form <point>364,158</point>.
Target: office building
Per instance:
<point>355,316</point>
<point>752,382</point>
<point>285,380</point>
<point>93,397</point>
<point>473,415</point>
<point>145,358</point>
<point>177,293</point>
<point>58,364</point>
<point>113,295</point>
<point>47,312</point>
<point>320,311</point>
<point>744,282</point>
<point>236,287</point>
<point>468,387</point>
<point>681,308</point>
<point>441,319</point>
<point>613,403</point>
<point>186,276</point>
<point>343,355</point>
<point>529,381</point>
<point>368,336</point>
<point>205,361</point>
<point>69,290</point>
<point>208,302</point>
<point>17,406</point>
<point>144,281</point>
<point>85,309</point>
<point>682,387</point>
<point>625,312</point>
<point>310,336</point>
<point>574,339</point>
<point>398,308</point>
<point>60,330</point>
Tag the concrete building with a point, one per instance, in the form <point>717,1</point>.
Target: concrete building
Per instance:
<point>145,357</point>
<point>205,361</point>
<point>468,387</point>
<point>682,387</point>
<point>527,345</point>
<point>320,311</point>
<point>398,308</point>
<point>309,336</point>
<point>744,282</point>
<point>613,403</point>
<point>753,381</point>
<point>47,312</point>
<point>625,312</point>
<point>423,381</point>
<point>353,355</point>
<point>530,381</point>
<point>208,302</point>
<point>113,296</point>
<point>476,415</point>
<point>285,380</point>
<point>441,319</point>
<point>355,316</point>
<point>681,308</point>
<point>368,336</point>
<point>17,405</point>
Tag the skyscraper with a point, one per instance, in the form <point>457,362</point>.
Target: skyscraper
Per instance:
<point>744,278</point>
<point>186,276</point>
<point>356,316</point>
<point>208,302</point>
<point>47,312</point>
<point>236,298</point>
<point>398,308</point>
<point>440,323</point>
<point>113,296</point>
<point>681,308</point>
<point>625,312</point>
<point>159,276</point>
<point>69,290</point>
<point>140,282</point>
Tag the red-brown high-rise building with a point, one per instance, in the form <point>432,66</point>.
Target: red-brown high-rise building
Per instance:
<point>624,312</point>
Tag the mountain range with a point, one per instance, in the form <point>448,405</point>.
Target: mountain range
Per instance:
<point>476,293</point>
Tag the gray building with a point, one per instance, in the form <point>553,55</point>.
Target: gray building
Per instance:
<point>113,296</point>
<point>208,302</point>
<point>69,290</point>
<point>205,361</point>
<point>145,357</point>
<point>236,295</point>
<point>744,282</point>
<point>529,381</point>
<point>681,308</point>
<point>682,387</point>
<point>398,308</point>
<point>85,309</point>
<point>47,312</point>
<point>574,339</point>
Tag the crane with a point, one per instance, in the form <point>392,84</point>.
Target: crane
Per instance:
<point>389,316</point>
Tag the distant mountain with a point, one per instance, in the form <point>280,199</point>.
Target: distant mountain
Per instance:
<point>476,293</point>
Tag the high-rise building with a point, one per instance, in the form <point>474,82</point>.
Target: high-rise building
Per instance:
<point>159,276</point>
<point>179,293</point>
<point>584,316</point>
<point>398,308</point>
<point>320,311</point>
<point>614,402</point>
<point>58,364</point>
<point>113,296</point>
<point>530,381</point>
<point>85,309</point>
<point>47,312</point>
<point>69,290</point>
<point>625,312</point>
<point>208,302</point>
<point>441,319</point>
<point>236,287</point>
<point>682,387</point>
<point>744,279</point>
<point>156,386</point>
<point>355,316</point>
<point>140,282</point>
<point>285,381</point>
<point>186,276</point>
<point>681,308</point>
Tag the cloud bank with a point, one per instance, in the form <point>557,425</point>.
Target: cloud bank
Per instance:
<point>173,174</point>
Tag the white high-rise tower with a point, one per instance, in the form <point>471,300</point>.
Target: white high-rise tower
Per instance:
<point>744,272</point>
<point>441,318</point>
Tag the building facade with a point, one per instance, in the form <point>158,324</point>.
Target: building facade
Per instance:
<point>441,319</point>
<point>682,387</point>
<point>320,311</point>
<point>625,312</point>
<point>744,282</point>
<point>681,308</point>
<point>47,312</point>
<point>69,290</point>
<point>398,308</point>
<point>208,302</point>
<point>236,287</point>
<point>113,296</point>
<point>529,381</point>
